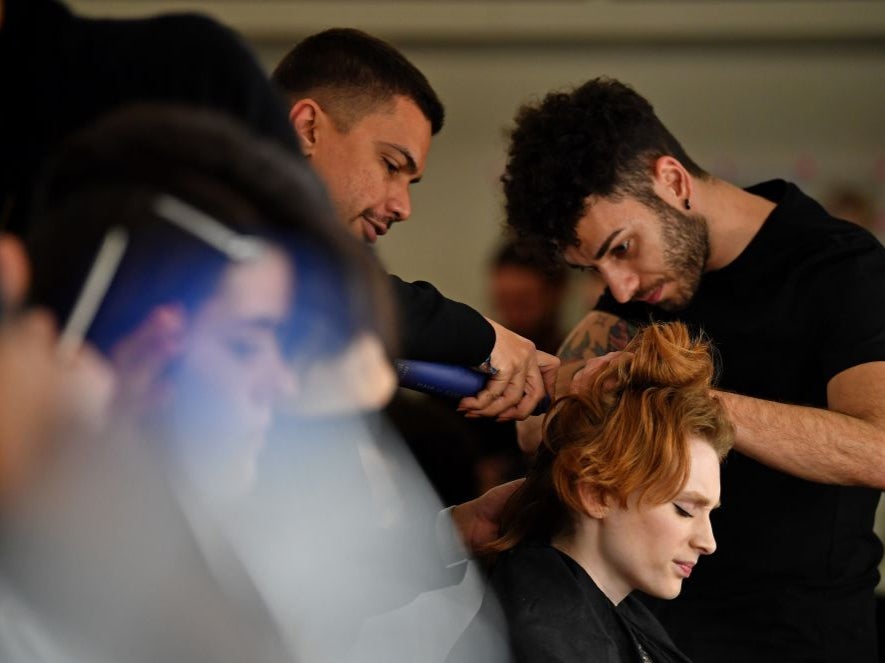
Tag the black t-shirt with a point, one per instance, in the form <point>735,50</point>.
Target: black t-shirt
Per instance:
<point>795,566</point>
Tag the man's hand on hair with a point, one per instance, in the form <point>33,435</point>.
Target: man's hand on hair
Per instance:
<point>478,520</point>
<point>584,376</point>
<point>523,376</point>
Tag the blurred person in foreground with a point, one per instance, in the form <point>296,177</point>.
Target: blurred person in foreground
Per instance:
<point>116,550</point>
<point>29,375</point>
<point>96,65</point>
<point>791,299</point>
<point>618,499</point>
<point>231,299</point>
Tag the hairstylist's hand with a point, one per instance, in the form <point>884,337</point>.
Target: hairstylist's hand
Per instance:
<point>584,376</point>
<point>523,377</point>
<point>478,520</point>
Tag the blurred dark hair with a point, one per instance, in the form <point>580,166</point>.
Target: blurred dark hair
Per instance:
<point>531,256</point>
<point>599,139</point>
<point>351,73</point>
<point>112,175</point>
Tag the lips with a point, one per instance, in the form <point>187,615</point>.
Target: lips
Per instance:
<point>373,228</point>
<point>684,568</point>
<point>654,296</point>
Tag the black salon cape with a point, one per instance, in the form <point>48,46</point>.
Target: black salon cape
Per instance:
<point>556,613</point>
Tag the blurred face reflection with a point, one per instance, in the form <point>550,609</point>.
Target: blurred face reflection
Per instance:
<point>232,374</point>
<point>357,380</point>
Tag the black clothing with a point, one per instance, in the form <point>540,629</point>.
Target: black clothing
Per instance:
<point>61,72</point>
<point>434,328</point>
<point>793,575</point>
<point>556,613</point>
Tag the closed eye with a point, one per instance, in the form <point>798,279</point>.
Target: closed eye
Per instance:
<point>682,512</point>
<point>244,349</point>
<point>392,167</point>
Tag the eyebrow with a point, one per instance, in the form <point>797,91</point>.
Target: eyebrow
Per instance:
<point>601,252</point>
<point>411,164</point>
<point>606,244</point>
<point>697,498</point>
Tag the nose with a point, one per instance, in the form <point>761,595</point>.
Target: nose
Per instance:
<point>399,203</point>
<point>621,281</point>
<point>703,540</point>
<point>279,381</point>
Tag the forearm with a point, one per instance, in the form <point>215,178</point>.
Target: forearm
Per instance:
<point>812,443</point>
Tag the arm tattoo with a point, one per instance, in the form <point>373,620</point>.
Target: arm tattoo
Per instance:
<point>584,343</point>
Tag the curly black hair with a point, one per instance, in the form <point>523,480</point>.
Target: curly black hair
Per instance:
<point>599,139</point>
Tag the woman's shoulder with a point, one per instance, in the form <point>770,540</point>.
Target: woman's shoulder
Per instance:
<point>551,607</point>
<point>538,578</point>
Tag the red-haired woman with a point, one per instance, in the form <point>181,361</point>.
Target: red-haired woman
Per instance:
<point>618,499</point>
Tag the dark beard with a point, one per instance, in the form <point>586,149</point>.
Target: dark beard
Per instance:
<point>686,241</point>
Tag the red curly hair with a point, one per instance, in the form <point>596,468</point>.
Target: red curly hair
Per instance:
<point>625,434</point>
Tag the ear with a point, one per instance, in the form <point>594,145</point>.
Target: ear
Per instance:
<point>592,501</point>
<point>672,182</point>
<point>305,117</point>
<point>15,273</point>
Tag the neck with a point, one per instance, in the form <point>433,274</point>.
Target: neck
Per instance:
<point>733,217</point>
<point>582,547</point>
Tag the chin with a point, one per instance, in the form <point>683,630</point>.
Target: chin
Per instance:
<point>666,593</point>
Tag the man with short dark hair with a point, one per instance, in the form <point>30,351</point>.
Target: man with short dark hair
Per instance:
<point>792,298</point>
<point>343,81</point>
<point>364,116</point>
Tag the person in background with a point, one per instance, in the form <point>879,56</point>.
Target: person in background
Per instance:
<point>527,293</point>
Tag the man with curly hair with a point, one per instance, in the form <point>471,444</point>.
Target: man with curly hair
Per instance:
<point>792,299</point>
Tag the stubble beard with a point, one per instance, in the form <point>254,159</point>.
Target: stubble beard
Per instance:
<point>686,241</point>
